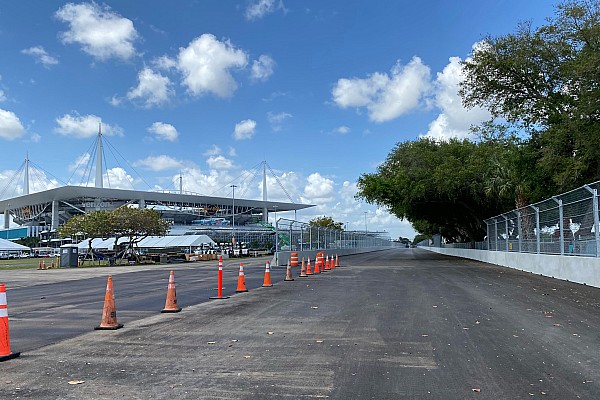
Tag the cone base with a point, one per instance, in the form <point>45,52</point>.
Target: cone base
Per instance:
<point>288,280</point>
<point>170,310</point>
<point>303,276</point>
<point>267,285</point>
<point>108,328</point>
<point>219,298</point>
<point>241,291</point>
<point>9,356</point>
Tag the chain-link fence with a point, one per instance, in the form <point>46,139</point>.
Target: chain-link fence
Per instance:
<point>566,224</point>
<point>299,236</point>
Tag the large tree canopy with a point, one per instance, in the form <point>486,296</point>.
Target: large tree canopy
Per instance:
<point>542,86</point>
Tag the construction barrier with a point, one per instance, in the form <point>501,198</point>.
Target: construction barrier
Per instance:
<point>294,259</point>
<point>5,353</point>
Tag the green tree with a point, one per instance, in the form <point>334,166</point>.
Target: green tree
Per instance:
<point>137,224</point>
<point>437,186</point>
<point>326,222</point>
<point>545,81</point>
<point>96,224</point>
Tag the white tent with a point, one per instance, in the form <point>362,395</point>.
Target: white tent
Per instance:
<point>7,245</point>
<point>154,242</point>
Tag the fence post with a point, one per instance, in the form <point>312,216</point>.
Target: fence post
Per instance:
<point>560,224</point>
<point>537,228</point>
<point>594,193</point>
<point>506,231</point>
<point>519,233</point>
<point>495,234</point>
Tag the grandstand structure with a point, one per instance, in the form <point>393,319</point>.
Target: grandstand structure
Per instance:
<point>41,213</point>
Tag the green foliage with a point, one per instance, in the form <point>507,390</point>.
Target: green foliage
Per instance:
<point>326,222</point>
<point>437,186</point>
<point>419,238</point>
<point>546,81</point>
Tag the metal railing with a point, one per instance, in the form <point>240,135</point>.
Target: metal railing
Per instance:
<point>566,224</point>
<point>299,236</point>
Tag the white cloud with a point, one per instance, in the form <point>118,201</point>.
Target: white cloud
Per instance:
<point>118,178</point>
<point>84,126</point>
<point>277,120</point>
<point>153,89</point>
<point>10,125</point>
<point>164,63</point>
<point>206,64</point>
<point>41,56</point>
<point>102,33</point>
<point>159,163</point>
<point>318,189</point>
<point>342,130</point>
<point>244,129</point>
<point>2,96</point>
<point>259,8</point>
<point>454,119</point>
<point>385,97</point>
<point>219,163</point>
<point>163,131</point>
<point>214,150</point>
<point>262,68</point>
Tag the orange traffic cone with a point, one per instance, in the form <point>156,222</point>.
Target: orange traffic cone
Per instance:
<point>337,264</point>
<point>241,286</point>
<point>317,270</point>
<point>302,269</point>
<point>267,280</point>
<point>288,273</point>
<point>43,264</point>
<point>5,353</point>
<point>171,303</point>
<point>109,313</point>
<point>40,264</point>
<point>327,264</point>
<point>308,268</point>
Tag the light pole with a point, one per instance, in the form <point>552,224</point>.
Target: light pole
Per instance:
<point>276,238</point>
<point>233,217</point>
<point>365,222</point>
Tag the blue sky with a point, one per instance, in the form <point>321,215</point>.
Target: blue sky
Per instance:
<point>321,90</point>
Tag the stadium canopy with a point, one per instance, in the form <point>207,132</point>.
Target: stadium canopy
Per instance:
<point>7,245</point>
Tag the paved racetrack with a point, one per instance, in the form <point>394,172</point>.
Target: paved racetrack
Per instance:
<point>392,324</point>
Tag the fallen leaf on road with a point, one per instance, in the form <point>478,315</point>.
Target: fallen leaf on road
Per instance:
<point>247,356</point>
<point>211,342</point>
<point>319,341</point>
<point>556,325</point>
<point>270,333</point>
<point>424,335</point>
<point>76,382</point>
<point>314,308</point>
<point>234,340</point>
<point>476,390</point>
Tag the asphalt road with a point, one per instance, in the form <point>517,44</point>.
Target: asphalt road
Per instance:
<point>396,324</point>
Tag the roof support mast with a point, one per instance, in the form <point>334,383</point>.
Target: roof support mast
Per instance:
<point>26,183</point>
<point>265,212</point>
<point>99,183</point>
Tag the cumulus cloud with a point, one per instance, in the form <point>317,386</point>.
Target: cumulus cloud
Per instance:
<point>244,129</point>
<point>84,126</point>
<point>454,120</point>
<point>163,131</point>
<point>41,56</point>
<point>259,8</point>
<point>102,33</point>
<point>214,150</point>
<point>153,89</point>
<point>118,178</point>
<point>262,68</point>
<point>318,189</point>
<point>206,66</point>
<point>79,161</point>
<point>385,96</point>
<point>277,120</point>
<point>2,96</point>
<point>159,163</point>
<point>219,162</point>
<point>10,126</point>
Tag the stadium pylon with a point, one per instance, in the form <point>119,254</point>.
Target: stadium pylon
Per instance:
<point>171,302</point>
<point>109,312</point>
